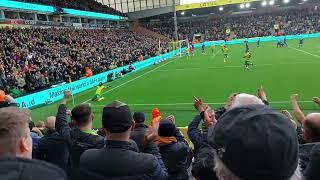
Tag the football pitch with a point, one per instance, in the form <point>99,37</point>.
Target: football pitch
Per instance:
<point>170,85</point>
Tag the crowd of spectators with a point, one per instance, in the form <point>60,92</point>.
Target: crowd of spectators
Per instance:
<point>243,26</point>
<point>33,59</point>
<point>244,139</point>
<point>85,5</point>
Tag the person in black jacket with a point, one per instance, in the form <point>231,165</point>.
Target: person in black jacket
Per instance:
<point>310,132</point>
<point>174,150</point>
<point>15,168</point>
<point>202,167</point>
<point>52,147</point>
<point>139,130</point>
<point>81,137</point>
<point>118,160</point>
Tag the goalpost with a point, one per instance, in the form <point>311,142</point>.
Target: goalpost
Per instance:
<point>180,46</point>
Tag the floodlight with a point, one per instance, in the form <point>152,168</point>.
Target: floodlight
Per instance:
<point>264,3</point>
<point>242,6</point>
<point>221,8</point>
<point>271,2</point>
<point>247,5</point>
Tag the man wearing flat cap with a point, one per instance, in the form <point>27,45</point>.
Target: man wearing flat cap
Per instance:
<point>252,142</point>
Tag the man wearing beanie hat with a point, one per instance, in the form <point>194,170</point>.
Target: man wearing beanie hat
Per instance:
<point>118,160</point>
<point>252,142</point>
<point>139,130</point>
<point>174,150</point>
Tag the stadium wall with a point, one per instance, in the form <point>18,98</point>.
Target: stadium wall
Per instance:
<point>56,93</point>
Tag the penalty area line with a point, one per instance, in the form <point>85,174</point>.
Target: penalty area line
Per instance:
<point>306,52</point>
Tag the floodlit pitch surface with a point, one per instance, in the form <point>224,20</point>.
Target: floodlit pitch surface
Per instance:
<point>170,85</point>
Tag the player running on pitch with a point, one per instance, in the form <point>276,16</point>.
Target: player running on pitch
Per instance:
<point>98,95</point>
<point>258,43</point>
<point>225,52</point>
<point>203,49</point>
<point>247,60</point>
<point>300,42</point>
<point>213,48</point>
<point>191,49</point>
<point>247,45</point>
<point>187,51</point>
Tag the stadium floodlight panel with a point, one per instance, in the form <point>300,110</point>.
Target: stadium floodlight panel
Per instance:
<point>271,2</point>
<point>247,5</point>
<point>286,1</point>
<point>182,13</point>
<point>264,3</point>
<point>242,6</point>
<point>221,8</point>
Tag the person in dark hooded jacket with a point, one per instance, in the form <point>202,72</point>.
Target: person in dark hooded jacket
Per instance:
<point>15,168</point>
<point>79,138</point>
<point>139,130</point>
<point>174,150</point>
<point>118,160</point>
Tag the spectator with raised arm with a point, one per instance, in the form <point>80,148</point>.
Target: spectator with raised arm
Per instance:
<point>80,138</point>
<point>52,147</point>
<point>310,131</point>
<point>202,166</point>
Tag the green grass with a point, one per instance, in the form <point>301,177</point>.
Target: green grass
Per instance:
<point>171,85</point>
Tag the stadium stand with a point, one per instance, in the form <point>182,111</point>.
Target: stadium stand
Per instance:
<point>86,5</point>
<point>293,21</point>
<point>34,59</point>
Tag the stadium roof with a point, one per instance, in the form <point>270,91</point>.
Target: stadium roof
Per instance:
<point>8,4</point>
<point>190,4</point>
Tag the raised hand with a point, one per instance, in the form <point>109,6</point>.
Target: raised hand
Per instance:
<point>151,133</point>
<point>67,94</point>
<point>209,117</point>
<point>262,94</point>
<point>294,97</point>
<point>288,114</point>
<point>316,100</point>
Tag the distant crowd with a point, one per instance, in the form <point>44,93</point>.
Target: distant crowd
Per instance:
<point>243,140</point>
<point>33,59</point>
<point>85,5</point>
<point>292,21</point>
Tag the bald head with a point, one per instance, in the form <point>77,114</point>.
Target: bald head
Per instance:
<point>245,99</point>
<point>51,121</point>
<point>311,127</point>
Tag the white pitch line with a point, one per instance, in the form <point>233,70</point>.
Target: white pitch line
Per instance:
<point>215,54</point>
<point>133,79</point>
<point>306,52</point>
<point>174,104</point>
<point>222,67</point>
